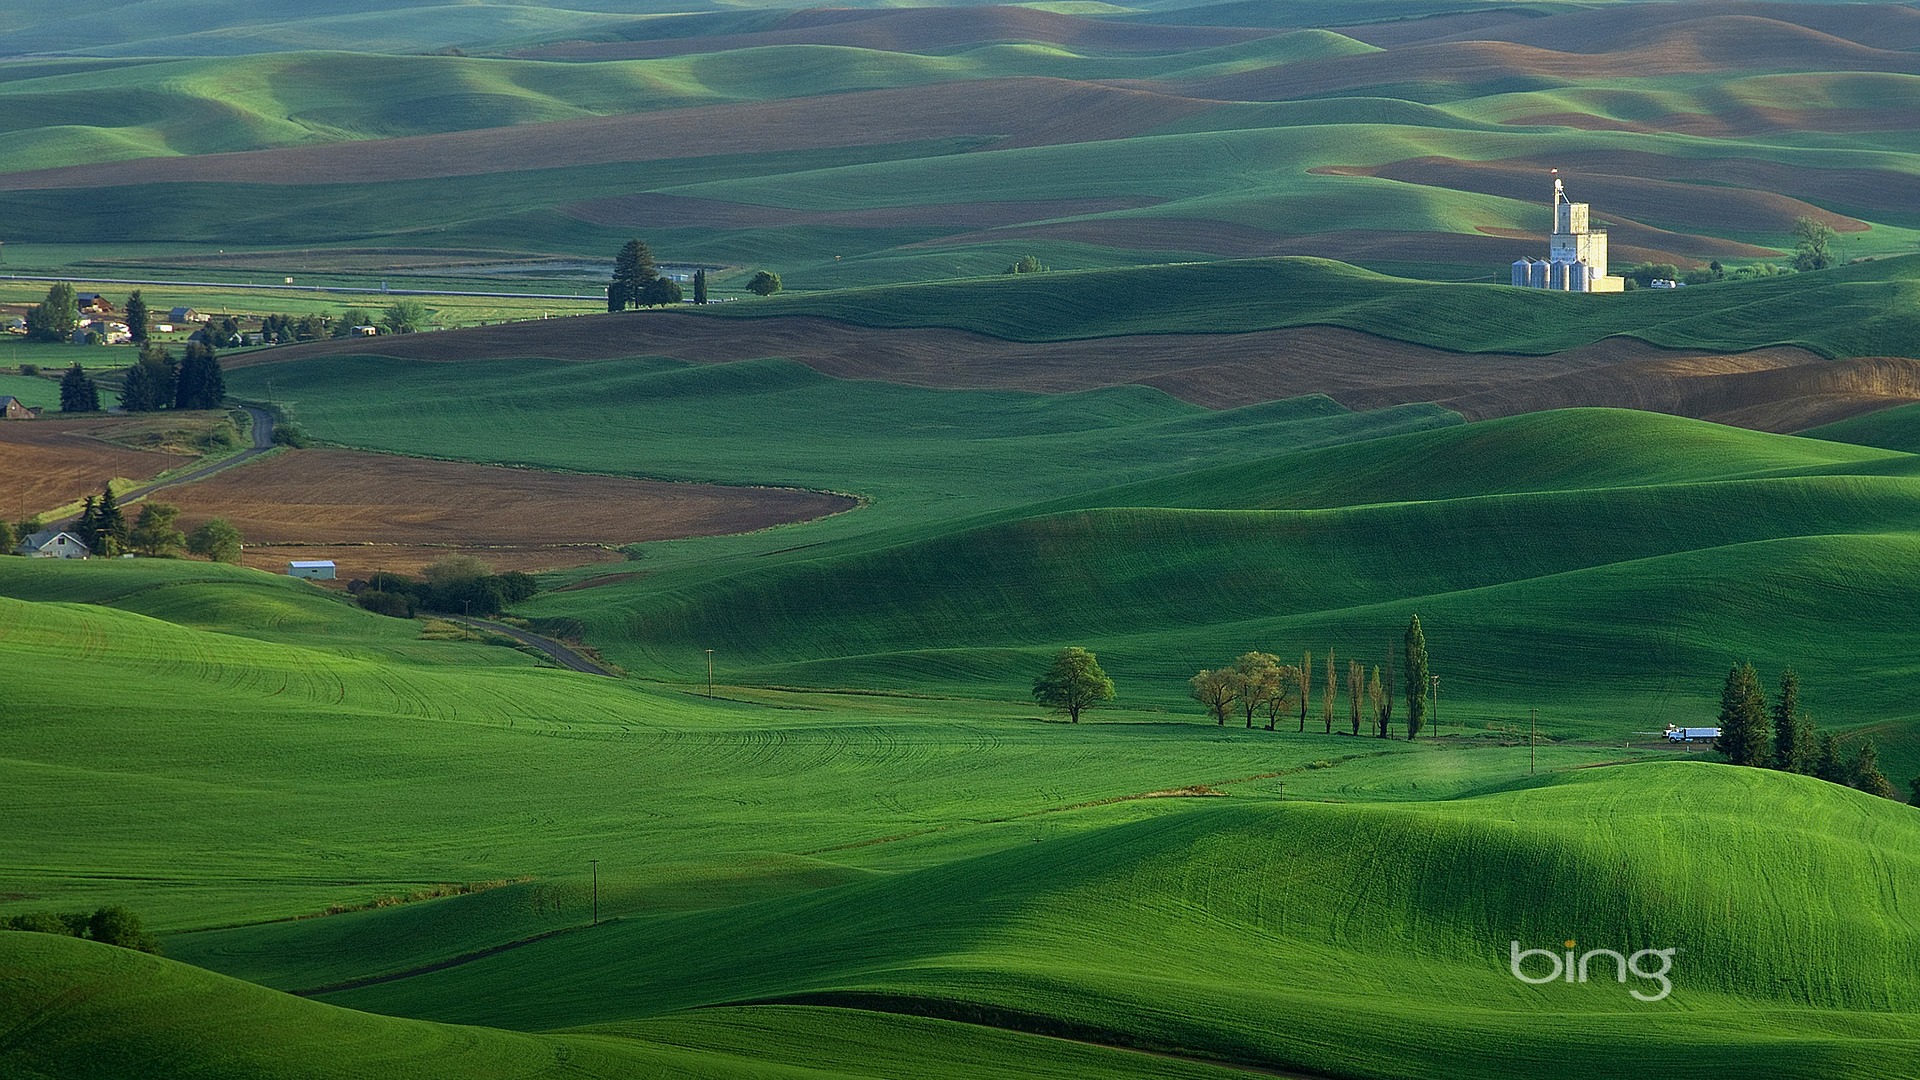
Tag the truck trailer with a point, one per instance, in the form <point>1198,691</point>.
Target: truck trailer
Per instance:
<point>1691,734</point>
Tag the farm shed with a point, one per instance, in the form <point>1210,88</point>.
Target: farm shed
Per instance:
<point>54,544</point>
<point>12,408</point>
<point>185,315</point>
<point>312,569</point>
<point>93,303</point>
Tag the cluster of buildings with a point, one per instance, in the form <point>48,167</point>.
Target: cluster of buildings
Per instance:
<point>1576,253</point>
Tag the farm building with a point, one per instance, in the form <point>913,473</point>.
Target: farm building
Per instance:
<point>93,303</point>
<point>185,315</point>
<point>12,408</point>
<point>54,544</point>
<point>1576,253</point>
<point>312,569</point>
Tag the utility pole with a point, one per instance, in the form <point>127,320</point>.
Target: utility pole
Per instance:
<point>709,674</point>
<point>1283,791</point>
<point>1533,738</point>
<point>596,891</point>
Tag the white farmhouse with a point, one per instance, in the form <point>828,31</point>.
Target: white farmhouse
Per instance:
<point>54,544</point>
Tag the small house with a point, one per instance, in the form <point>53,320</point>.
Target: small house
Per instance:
<point>366,331</point>
<point>53,544</point>
<point>185,315</point>
<point>93,303</point>
<point>12,408</point>
<point>311,569</point>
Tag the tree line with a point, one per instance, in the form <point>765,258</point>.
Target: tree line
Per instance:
<point>1784,737</point>
<point>112,925</point>
<point>1260,684</point>
<point>637,281</point>
<point>455,585</point>
<point>157,381</point>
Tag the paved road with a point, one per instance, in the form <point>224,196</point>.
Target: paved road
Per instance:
<point>565,656</point>
<point>340,289</point>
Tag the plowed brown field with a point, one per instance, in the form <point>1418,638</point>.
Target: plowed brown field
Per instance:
<point>1776,389</point>
<point>374,511</point>
<point>57,460</point>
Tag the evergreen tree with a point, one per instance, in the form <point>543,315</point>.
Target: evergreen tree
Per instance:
<point>1866,774</point>
<point>1792,749</point>
<point>632,270</point>
<point>8,538</point>
<point>137,317</point>
<point>110,525</point>
<point>1913,789</point>
<point>87,525</point>
<point>1743,718</point>
<point>1416,660</point>
<point>150,383</point>
<point>78,392</point>
<point>1073,684</point>
<point>616,297</point>
<point>200,384</point>
<point>699,286</point>
<point>1826,759</point>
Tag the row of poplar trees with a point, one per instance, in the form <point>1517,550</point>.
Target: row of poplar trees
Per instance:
<point>1784,737</point>
<point>1259,684</point>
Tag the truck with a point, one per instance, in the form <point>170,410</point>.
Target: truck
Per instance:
<point>1691,734</point>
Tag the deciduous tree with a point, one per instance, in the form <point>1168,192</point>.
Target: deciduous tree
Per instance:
<point>1416,660</point>
<point>217,540</point>
<point>1073,684</point>
<point>403,316</point>
<point>1217,690</point>
<point>1812,244</point>
<point>153,533</point>
<point>662,291</point>
<point>54,318</point>
<point>1257,677</point>
<point>764,283</point>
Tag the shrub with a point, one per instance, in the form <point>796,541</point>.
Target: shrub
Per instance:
<point>381,602</point>
<point>29,369</point>
<point>118,926</point>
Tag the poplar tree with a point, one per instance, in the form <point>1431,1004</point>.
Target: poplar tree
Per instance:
<point>1332,691</point>
<point>699,286</point>
<point>1306,687</point>
<point>137,318</point>
<point>1378,700</point>
<point>1356,688</point>
<point>1416,661</point>
<point>1744,734</point>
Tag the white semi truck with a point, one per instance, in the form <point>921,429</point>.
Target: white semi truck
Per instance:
<point>1691,734</point>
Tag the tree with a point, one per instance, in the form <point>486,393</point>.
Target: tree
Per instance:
<point>8,538</point>
<point>403,316</point>
<point>1913,791</point>
<point>118,926</point>
<point>1306,687</point>
<point>54,318</point>
<point>137,317</point>
<point>199,384</point>
<point>1826,759</point>
<point>1287,683</point>
<point>1386,696</point>
<point>350,318</point>
<point>1865,771</point>
<point>1258,677</point>
<point>616,297</point>
<point>699,286</point>
<point>78,392</point>
<point>764,283</point>
<point>1356,689</point>
<point>1026,264</point>
<point>152,382</point>
<point>1417,678</point>
<point>1792,742</point>
<point>1811,244</point>
<point>217,540</point>
<point>455,570</point>
<point>1743,718</point>
<point>154,534</point>
<point>1719,272</point>
<point>1073,684</point>
<point>661,292</point>
<point>109,526</point>
<point>1326,698</point>
<point>1379,701</point>
<point>632,270</point>
<point>1216,690</point>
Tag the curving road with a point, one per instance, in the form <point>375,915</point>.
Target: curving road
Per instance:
<point>565,656</point>
<point>262,442</point>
